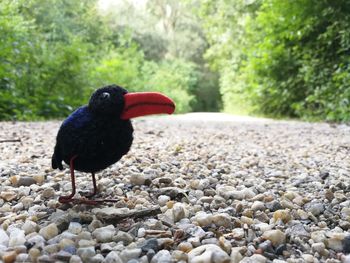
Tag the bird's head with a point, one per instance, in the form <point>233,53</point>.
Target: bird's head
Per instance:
<point>117,101</point>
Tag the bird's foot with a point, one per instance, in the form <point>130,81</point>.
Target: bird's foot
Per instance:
<point>65,199</point>
<point>96,201</point>
<point>87,194</point>
<point>84,200</point>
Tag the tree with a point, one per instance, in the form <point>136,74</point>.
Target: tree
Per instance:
<point>281,58</point>
<point>224,23</point>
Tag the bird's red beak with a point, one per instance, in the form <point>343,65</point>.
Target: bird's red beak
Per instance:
<point>146,103</point>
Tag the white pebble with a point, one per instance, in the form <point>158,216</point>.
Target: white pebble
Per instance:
<point>29,227</point>
<point>113,257</point>
<point>163,199</point>
<point>277,237</point>
<point>163,256</point>
<point>209,253</point>
<point>86,253</point>
<point>137,179</point>
<point>4,238</point>
<point>75,228</point>
<point>104,234</point>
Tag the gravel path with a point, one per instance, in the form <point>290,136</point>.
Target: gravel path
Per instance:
<point>194,188</point>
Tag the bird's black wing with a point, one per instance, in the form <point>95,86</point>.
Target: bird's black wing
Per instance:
<point>67,140</point>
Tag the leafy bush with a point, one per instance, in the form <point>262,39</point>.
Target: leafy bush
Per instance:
<point>282,58</point>
<point>55,53</point>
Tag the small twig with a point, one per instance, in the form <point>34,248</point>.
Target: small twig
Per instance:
<point>168,224</point>
<point>11,140</point>
<point>135,214</point>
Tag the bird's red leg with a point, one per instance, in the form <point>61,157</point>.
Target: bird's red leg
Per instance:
<point>95,187</point>
<point>94,201</point>
<point>69,198</point>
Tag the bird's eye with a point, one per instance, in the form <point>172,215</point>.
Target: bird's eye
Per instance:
<point>104,96</point>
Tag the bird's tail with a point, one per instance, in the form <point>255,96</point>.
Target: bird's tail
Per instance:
<point>56,160</point>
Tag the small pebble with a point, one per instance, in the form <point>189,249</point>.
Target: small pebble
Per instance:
<point>75,259</point>
<point>137,179</point>
<point>25,181</point>
<point>9,257</point>
<point>49,231</point>
<point>113,257</point>
<point>48,193</point>
<point>85,253</point>
<point>4,238</point>
<point>315,208</point>
<point>104,234</point>
<point>163,256</point>
<point>207,254</point>
<point>29,227</point>
<point>318,247</point>
<point>163,199</point>
<point>126,238</point>
<point>34,253</point>
<point>130,253</point>
<point>185,247</point>
<point>277,237</point>
<point>346,244</point>
<point>8,195</point>
<point>75,228</point>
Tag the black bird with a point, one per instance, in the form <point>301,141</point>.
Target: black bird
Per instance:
<point>97,135</point>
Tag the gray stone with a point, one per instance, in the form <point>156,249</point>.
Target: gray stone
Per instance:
<point>75,228</point>
<point>163,256</point>
<point>130,253</point>
<point>137,179</point>
<point>97,259</point>
<point>113,257</point>
<point>163,199</point>
<point>48,193</point>
<point>179,211</point>
<point>126,238</point>
<point>104,234</point>
<point>315,208</point>
<point>86,253</point>
<point>299,231</point>
<point>75,259</point>
<point>63,256</point>
<point>26,181</point>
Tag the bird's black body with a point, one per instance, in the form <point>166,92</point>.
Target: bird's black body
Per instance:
<point>94,134</point>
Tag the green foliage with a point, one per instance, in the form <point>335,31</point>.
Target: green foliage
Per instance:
<point>168,31</point>
<point>224,23</point>
<point>301,65</point>
<point>120,66</point>
<point>39,77</point>
<point>54,53</point>
<point>15,46</point>
<point>282,58</point>
<point>271,57</point>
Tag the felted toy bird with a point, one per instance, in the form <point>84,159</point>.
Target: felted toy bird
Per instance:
<point>97,135</point>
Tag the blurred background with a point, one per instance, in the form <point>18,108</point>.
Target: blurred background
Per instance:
<point>262,57</point>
